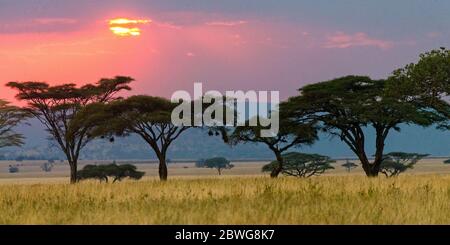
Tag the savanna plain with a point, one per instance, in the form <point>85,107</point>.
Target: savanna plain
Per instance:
<point>242,195</point>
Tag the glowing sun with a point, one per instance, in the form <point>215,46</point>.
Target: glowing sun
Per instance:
<point>124,27</point>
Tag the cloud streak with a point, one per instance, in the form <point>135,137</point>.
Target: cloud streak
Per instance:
<point>227,23</point>
<point>343,40</point>
<point>52,21</point>
<point>434,35</point>
<point>40,25</point>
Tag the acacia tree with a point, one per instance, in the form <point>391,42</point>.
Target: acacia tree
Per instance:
<point>302,165</point>
<point>346,107</point>
<point>429,78</point>
<point>218,163</point>
<point>427,83</point>
<point>10,117</point>
<point>147,116</point>
<point>290,135</point>
<point>102,172</point>
<point>56,106</point>
<point>349,165</point>
<point>395,163</point>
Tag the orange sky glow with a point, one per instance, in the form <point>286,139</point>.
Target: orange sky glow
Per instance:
<point>170,50</point>
<point>139,48</point>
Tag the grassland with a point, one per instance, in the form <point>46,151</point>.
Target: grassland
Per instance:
<point>30,171</point>
<point>351,199</point>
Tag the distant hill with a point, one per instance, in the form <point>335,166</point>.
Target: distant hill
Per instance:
<point>195,144</point>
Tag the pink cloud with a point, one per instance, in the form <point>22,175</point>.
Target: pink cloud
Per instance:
<point>433,35</point>
<point>52,21</point>
<point>227,23</point>
<point>342,40</point>
<point>168,25</point>
<point>190,54</point>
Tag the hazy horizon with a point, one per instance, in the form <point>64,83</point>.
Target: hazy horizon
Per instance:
<point>410,139</point>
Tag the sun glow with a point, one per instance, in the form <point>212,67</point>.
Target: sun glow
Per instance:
<point>124,31</point>
<point>124,21</point>
<point>124,27</point>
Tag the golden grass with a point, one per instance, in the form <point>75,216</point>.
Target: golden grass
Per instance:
<point>409,199</point>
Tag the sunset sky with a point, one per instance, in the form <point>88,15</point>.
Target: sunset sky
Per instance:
<point>229,44</point>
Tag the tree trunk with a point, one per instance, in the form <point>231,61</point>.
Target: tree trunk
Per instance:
<point>162,168</point>
<point>73,172</point>
<point>220,171</point>
<point>371,170</point>
<point>358,147</point>
<point>376,166</point>
<point>277,169</point>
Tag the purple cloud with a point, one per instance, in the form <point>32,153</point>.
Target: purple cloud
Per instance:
<point>40,25</point>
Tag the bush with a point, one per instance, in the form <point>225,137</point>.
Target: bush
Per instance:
<point>13,169</point>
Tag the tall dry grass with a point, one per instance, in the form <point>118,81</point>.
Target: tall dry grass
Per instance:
<point>423,199</point>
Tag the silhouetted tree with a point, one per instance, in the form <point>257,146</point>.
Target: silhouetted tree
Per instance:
<point>349,165</point>
<point>119,172</point>
<point>56,106</point>
<point>218,163</point>
<point>13,169</point>
<point>48,166</point>
<point>346,106</point>
<point>301,165</point>
<point>290,135</point>
<point>92,172</point>
<point>200,163</point>
<point>395,163</point>
<point>147,116</point>
<point>102,172</point>
<point>10,117</point>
